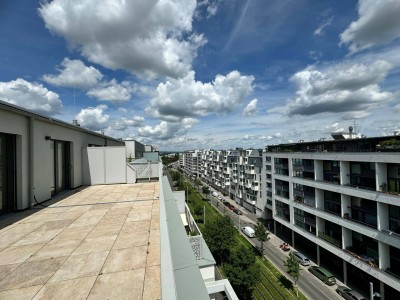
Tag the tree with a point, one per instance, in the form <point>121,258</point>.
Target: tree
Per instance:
<point>243,272</point>
<point>198,211</point>
<point>205,190</point>
<point>219,235</point>
<point>293,268</point>
<point>261,234</point>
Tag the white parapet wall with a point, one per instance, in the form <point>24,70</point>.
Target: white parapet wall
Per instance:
<point>104,165</point>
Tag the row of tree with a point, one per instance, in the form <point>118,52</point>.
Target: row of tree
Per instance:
<point>238,261</point>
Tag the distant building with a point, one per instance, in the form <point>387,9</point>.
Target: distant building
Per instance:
<point>134,149</point>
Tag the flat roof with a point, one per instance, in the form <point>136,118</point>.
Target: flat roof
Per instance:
<point>20,110</point>
<point>97,242</point>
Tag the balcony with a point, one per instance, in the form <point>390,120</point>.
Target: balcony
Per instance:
<point>282,191</point>
<point>330,239</point>
<point>255,186</point>
<point>363,216</point>
<point>282,169</point>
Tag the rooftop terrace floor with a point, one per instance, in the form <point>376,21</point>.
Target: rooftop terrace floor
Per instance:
<point>102,242</point>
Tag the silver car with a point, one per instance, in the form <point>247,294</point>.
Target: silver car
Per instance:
<point>303,260</point>
<point>349,294</point>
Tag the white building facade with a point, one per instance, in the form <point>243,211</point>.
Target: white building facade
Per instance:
<point>40,156</point>
<point>339,203</point>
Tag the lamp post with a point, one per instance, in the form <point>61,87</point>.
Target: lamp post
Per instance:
<point>373,294</point>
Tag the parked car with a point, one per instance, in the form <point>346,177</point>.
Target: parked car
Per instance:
<point>285,247</point>
<point>220,198</point>
<point>237,211</point>
<point>323,275</point>
<point>230,206</point>
<point>302,259</point>
<point>248,231</point>
<point>349,294</point>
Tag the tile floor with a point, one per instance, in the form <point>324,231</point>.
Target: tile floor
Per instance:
<point>101,242</point>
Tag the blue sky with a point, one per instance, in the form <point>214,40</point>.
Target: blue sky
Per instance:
<point>219,74</point>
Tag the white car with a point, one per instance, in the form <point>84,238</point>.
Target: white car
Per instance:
<point>219,198</point>
<point>248,231</point>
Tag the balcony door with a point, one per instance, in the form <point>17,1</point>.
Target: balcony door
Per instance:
<point>7,172</point>
<point>60,163</point>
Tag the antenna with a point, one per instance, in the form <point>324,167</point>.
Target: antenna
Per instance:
<point>75,121</point>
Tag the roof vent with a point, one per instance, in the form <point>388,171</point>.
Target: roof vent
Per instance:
<point>75,122</point>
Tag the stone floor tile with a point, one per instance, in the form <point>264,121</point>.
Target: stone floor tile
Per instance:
<point>152,284</point>
<point>153,256</point>
<point>31,273</point>
<point>135,227</point>
<point>125,259</point>
<point>85,221</point>
<point>131,240</point>
<point>78,233</point>
<point>95,244</point>
<point>13,255</point>
<point>49,251</point>
<point>112,220</point>
<point>77,266</point>
<point>140,216</point>
<point>69,289</point>
<point>7,240</point>
<point>103,230</point>
<point>26,293</point>
<point>7,269</point>
<point>154,237</point>
<point>143,203</point>
<point>126,285</point>
<point>38,236</point>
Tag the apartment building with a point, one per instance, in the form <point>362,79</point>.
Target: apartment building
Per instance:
<point>235,173</point>
<point>190,163</point>
<point>338,202</point>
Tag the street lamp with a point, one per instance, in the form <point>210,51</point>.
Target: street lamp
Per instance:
<point>373,294</point>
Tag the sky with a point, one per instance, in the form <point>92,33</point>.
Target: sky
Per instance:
<point>206,74</point>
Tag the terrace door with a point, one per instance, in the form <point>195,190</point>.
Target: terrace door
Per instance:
<point>7,172</point>
<point>60,162</point>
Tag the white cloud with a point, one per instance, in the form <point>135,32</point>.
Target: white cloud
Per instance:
<point>347,88</point>
<point>185,97</point>
<point>378,23</point>
<point>167,130</point>
<point>335,127</point>
<point>123,123</point>
<point>74,74</point>
<point>93,118</point>
<point>207,7</point>
<point>146,38</point>
<point>30,95</point>
<point>321,28</point>
<point>251,109</point>
<point>112,91</point>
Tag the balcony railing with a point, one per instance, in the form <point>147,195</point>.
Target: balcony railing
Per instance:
<point>330,239</point>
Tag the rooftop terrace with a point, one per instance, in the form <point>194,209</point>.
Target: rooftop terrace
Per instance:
<point>101,242</point>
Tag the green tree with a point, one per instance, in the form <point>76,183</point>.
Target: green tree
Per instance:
<point>219,235</point>
<point>261,234</point>
<point>243,272</point>
<point>198,211</point>
<point>206,190</point>
<point>293,268</point>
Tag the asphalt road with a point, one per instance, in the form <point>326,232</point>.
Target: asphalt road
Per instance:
<point>308,284</point>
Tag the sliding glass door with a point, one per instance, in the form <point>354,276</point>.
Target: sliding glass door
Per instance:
<point>60,162</point>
